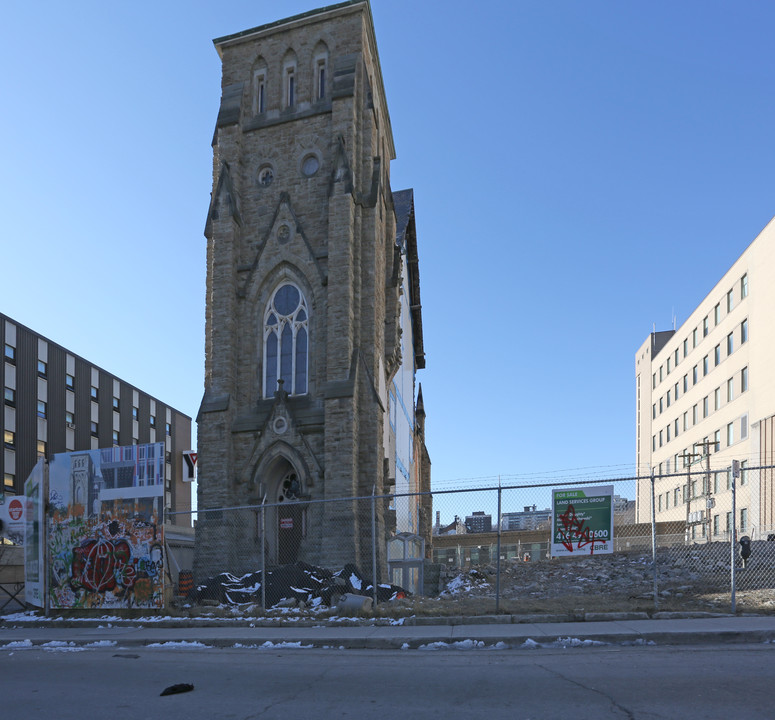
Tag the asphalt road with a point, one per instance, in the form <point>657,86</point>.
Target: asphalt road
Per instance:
<point>600,682</point>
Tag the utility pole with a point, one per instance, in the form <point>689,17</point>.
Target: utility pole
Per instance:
<point>710,502</point>
<point>689,459</point>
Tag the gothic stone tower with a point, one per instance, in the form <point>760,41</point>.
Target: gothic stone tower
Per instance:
<point>313,323</point>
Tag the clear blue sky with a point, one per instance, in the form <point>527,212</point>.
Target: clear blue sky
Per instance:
<point>582,171</point>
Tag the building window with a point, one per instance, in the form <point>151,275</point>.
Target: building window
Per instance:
<point>743,472</point>
<point>661,438</point>
<point>41,409</point>
<point>675,391</point>
<point>694,338</point>
<point>94,429</point>
<point>69,418</point>
<point>705,366</point>
<point>42,369</point>
<point>730,434</point>
<point>660,502</point>
<point>686,347</point>
<point>744,286</point>
<point>668,398</point>
<point>115,438</point>
<point>95,395</point>
<point>686,421</point>
<point>667,431</point>
<point>661,405</point>
<point>744,331</point>
<point>320,79</point>
<point>716,525</point>
<point>135,413</point>
<point>168,428</point>
<point>730,390</point>
<point>9,397</point>
<point>42,448</point>
<point>717,441</point>
<point>668,365</point>
<point>676,497</point>
<point>717,314</point>
<point>653,411</point>
<point>653,443</point>
<point>730,301</point>
<point>686,383</point>
<point>8,481</point>
<point>259,88</point>
<point>744,379</point>
<point>744,427</point>
<point>286,341</point>
<point>69,382</point>
<point>676,357</point>
<point>744,520</point>
<point>10,354</point>
<point>661,372</point>
<point>729,522</point>
<point>116,404</point>
<point>705,406</point>
<point>694,415</point>
<point>152,421</point>
<point>705,326</point>
<point>716,355</point>
<point>653,381</point>
<point>290,87</point>
<point>9,439</point>
<point>676,433</point>
<point>717,398</point>
<point>730,344</point>
<point>694,375</point>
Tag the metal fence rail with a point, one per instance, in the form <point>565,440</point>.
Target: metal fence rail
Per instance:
<point>676,544</point>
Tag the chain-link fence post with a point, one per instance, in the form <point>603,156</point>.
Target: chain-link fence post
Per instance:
<point>262,530</point>
<point>733,541</point>
<point>654,541</point>
<point>498,556</point>
<point>374,544</point>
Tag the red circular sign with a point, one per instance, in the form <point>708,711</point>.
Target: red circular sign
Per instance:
<point>15,509</point>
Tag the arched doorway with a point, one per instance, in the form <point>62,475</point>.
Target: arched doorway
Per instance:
<point>285,515</point>
<point>290,518</point>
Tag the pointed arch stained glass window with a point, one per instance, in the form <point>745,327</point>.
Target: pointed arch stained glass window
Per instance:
<point>286,346</point>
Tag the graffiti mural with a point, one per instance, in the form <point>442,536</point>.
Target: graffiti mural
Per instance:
<point>105,528</point>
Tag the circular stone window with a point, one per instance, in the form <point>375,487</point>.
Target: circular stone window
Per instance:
<point>310,165</point>
<point>265,176</point>
<point>280,425</point>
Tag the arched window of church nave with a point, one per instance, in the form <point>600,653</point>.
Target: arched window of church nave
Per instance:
<point>290,90</point>
<point>286,341</point>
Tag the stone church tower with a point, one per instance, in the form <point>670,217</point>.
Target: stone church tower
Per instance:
<point>313,327</point>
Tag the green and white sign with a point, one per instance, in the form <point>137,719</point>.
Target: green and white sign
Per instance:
<point>582,521</point>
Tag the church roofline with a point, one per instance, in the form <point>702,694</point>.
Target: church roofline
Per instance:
<point>260,29</point>
<point>406,238</point>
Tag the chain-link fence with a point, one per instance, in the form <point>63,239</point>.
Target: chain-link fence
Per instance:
<point>703,539</point>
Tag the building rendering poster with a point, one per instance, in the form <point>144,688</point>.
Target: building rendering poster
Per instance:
<point>34,492</point>
<point>582,521</point>
<point>105,541</point>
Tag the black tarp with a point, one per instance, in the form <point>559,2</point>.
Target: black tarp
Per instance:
<point>298,581</point>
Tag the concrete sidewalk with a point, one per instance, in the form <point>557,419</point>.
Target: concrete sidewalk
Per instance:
<point>677,631</point>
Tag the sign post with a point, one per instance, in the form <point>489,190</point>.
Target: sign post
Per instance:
<point>582,521</point>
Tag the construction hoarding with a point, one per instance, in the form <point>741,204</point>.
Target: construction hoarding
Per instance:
<point>105,536</point>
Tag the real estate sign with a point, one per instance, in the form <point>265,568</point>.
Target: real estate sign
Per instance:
<point>582,521</point>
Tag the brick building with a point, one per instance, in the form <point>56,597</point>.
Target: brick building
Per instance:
<point>55,401</point>
<point>313,321</point>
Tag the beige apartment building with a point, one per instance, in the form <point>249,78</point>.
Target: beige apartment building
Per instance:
<point>705,396</point>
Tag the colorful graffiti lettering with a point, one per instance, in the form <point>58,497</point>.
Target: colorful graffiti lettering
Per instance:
<point>100,565</point>
<point>573,527</point>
